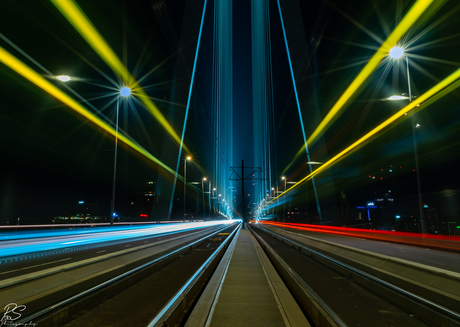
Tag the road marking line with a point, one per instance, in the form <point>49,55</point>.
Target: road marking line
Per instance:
<point>73,242</point>
<point>43,264</point>
<point>101,251</point>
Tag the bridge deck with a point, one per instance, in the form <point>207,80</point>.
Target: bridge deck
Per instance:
<point>246,292</point>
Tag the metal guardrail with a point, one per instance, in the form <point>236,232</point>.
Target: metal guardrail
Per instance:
<point>433,306</point>
<point>157,320</point>
<point>110,281</point>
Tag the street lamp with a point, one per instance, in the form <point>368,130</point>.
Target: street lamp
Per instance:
<point>284,198</point>
<point>398,97</point>
<point>218,201</point>
<point>64,78</point>
<point>396,53</point>
<point>185,179</point>
<point>214,198</point>
<point>202,191</point>
<point>209,197</point>
<point>285,190</point>
<point>123,93</point>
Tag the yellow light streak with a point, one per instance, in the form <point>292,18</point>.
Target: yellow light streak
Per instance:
<point>409,19</point>
<point>447,85</point>
<point>75,15</point>
<point>22,69</point>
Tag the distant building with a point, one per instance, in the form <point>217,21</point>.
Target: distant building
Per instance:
<point>136,207</point>
<point>128,207</point>
<point>87,208</point>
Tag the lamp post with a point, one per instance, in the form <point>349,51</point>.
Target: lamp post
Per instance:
<point>124,92</point>
<point>284,198</point>
<point>214,198</point>
<point>202,191</point>
<point>285,190</point>
<point>209,197</point>
<point>273,196</point>
<point>218,201</point>
<point>396,53</point>
<point>185,180</point>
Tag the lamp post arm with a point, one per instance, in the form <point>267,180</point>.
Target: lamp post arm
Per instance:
<point>185,182</point>
<point>417,165</point>
<point>115,164</point>
<point>408,79</point>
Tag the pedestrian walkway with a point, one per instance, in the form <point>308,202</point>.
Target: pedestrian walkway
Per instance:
<point>246,290</point>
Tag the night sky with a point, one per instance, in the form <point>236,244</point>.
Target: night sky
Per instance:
<point>52,157</point>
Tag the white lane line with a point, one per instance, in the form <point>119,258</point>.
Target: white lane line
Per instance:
<point>100,251</point>
<point>43,264</point>
<point>73,242</point>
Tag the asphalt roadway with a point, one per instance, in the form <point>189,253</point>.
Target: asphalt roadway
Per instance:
<point>25,263</point>
<point>430,257</point>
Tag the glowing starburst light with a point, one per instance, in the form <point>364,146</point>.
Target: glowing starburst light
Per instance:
<point>444,87</point>
<point>409,19</point>
<point>404,25</point>
<point>398,97</point>
<point>396,52</point>
<point>21,68</point>
<point>125,91</point>
<point>63,78</point>
<point>75,15</point>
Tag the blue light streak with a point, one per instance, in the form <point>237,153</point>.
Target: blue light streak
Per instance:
<point>299,111</point>
<point>187,109</point>
<point>125,91</point>
<point>222,99</point>
<point>261,91</point>
<point>26,242</point>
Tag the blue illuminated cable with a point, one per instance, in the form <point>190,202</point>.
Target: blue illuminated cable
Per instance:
<point>187,109</point>
<point>222,99</point>
<point>298,109</point>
